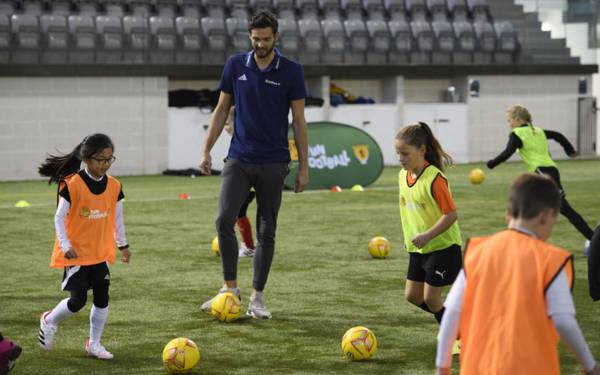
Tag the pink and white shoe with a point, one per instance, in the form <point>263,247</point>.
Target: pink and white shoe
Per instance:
<point>47,331</point>
<point>9,352</point>
<point>97,350</point>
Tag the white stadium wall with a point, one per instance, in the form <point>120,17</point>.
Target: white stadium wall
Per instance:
<point>43,115</point>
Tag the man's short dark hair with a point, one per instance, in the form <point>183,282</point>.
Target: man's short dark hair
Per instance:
<point>263,19</point>
<point>530,194</point>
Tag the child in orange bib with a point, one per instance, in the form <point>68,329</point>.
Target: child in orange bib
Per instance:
<point>512,300</point>
<point>88,221</point>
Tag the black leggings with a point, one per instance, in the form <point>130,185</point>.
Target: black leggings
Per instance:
<point>79,297</point>
<point>565,207</point>
<point>594,265</point>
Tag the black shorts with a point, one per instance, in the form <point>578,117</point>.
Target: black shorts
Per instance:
<point>438,268</point>
<point>86,277</point>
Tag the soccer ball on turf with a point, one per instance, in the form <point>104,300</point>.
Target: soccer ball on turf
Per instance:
<point>180,355</point>
<point>379,247</point>
<point>215,246</point>
<point>359,344</point>
<point>226,307</point>
<point>476,176</point>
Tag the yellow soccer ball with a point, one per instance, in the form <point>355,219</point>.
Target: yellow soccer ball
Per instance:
<point>476,176</point>
<point>215,246</point>
<point>379,247</point>
<point>359,344</point>
<point>180,356</point>
<point>226,307</point>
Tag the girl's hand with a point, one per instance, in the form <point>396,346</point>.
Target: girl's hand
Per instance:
<point>70,254</point>
<point>420,240</point>
<point>125,255</point>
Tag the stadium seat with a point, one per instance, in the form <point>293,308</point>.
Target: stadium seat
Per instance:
<point>5,39</point>
<point>110,39</point>
<point>285,9</point>
<point>312,41</point>
<point>309,9</point>
<point>375,9</point>
<point>396,9</point>
<point>444,42</point>
<point>438,9</point>
<point>33,7</point>
<point>506,42</point>
<point>26,31</point>
<point>258,5</point>
<point>331,9</point>
<point>83,35</point>
<point>479,9</point>
<point>289,38</point>
<point>86,7</point>
<point>142,8</point>
<point>163,40</point>
<point>216,35</point>
<point>335,41</point>
<point>60,7</point>
<point>402,41</point>
<point>417,10</point>
<point>55,39</point>
<point>353,9</point>
<point>424,41</point>
<point>459,10</point>
<point>380,42</point>
<point>465,41</point>
<point>8,7</point>
<point>114,7</point>
<point>237,29</point>
<point>190,40</point>
<point>358,41</point>
<point>136,39</point>
<point>486,42</point>
<point>238,8</point>
<point>165,8</point>
<point>191,8</point>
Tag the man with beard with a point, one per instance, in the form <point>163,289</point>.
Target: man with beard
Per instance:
<point>264,86</point>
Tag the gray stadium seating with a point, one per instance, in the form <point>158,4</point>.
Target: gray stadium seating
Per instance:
<point>353,9</point>
<point>465,42</point>
<point>216,36</point>
<point>285,9</point>
<point>237,29</point>
<point>458,9</point>
<point>380,42</point>
<point>83,35</point>
<point>140,7</point>
<point>438,9</point>
<point>191,8</point>
<point>60,7</point>
<point>358,41</point>
<point>417,9</point>
<point>396,9</point>
<point>479,9</point>
<point>444,46</point>
<point>33,7</point>
<point>261,5</point>
<point>110,39</point>
<point>424,42</point>
<point>401,40</point>
<point>190,40</point>
<point>331,9</point>
<point>55,36</point>
<point>163,40</point>
<point>5,37</point>
<point>312,41</point>
<point>114,7</point>
<point>486,42</point>
<point>309,9</point>
<point>87,7</point>
<point>238,8</point>
<point>506,42</point>
<point>137,39</point>
<point>165,8</point>
<point>335,41</point>
<point>7,7</point>
<point>26,31</point>
<point>375,9</point>
<point>289,38</point>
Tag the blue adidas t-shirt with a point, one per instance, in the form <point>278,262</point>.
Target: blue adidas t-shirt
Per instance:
<point>262,104</point>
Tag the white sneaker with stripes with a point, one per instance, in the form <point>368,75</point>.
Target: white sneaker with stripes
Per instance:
<point>47,331</point>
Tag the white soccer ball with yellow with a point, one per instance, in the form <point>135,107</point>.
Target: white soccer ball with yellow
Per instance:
<point>359,343</point>
<point>180,356</point>
<point>226,307</point>
<point>379,247</point>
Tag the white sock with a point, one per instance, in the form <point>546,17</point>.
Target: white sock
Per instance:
<point>59,313</point>
<point>98,318</point>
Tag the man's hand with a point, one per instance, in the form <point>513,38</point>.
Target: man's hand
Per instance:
<point>301,181</point>
<point>206,164</point>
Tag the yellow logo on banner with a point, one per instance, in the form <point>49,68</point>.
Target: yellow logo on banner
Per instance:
<point>362,153</point>
<point>293,150</point>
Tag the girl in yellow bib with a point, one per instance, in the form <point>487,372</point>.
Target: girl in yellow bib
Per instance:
<point>88,221</point>
<point>532,145</point>
<point>429,219</point>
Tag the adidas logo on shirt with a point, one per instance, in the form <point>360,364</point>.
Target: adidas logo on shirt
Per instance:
<point>242,78</point>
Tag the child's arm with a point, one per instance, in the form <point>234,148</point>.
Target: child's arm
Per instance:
<point>444,222</point>
<point>513,144</point>
<point>61,229</point>
<point>120,237</point>
<point>563,141</point>
<point>450,325</point>
<point>561,310</point>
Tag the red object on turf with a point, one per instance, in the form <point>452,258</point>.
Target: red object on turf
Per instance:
<point>184,196</point>
<point>335,189</point>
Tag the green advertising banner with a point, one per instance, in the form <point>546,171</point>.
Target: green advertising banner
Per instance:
<point>338,154</point>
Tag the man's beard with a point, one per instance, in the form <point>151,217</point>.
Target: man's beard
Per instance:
<point>262,53</point>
